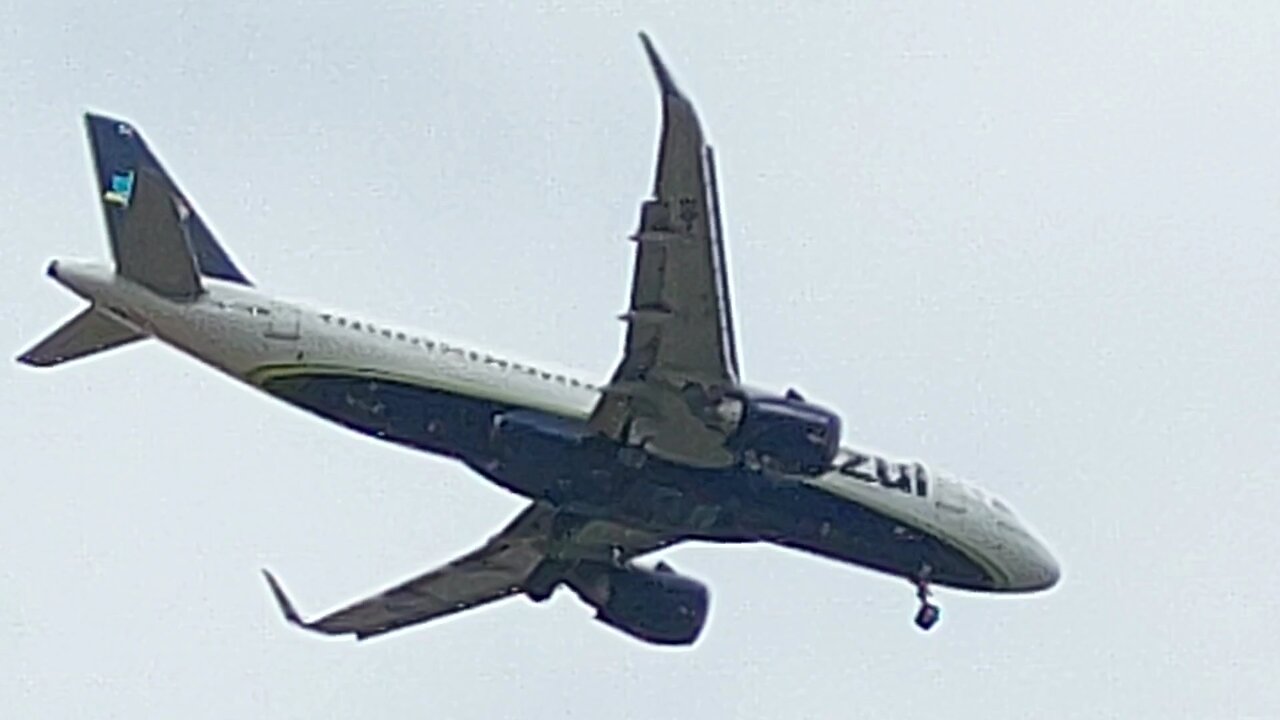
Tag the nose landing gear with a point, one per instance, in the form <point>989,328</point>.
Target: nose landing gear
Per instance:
<point>928,614</point>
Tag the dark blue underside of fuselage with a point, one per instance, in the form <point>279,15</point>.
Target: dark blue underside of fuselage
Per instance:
<point>544,456</point>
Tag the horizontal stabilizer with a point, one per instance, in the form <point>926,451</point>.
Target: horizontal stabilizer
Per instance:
<point>90,332</point>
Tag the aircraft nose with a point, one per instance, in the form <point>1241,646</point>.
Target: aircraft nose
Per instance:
<point>1042,568</point>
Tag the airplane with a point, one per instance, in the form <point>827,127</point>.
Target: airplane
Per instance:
<point>671,448</point>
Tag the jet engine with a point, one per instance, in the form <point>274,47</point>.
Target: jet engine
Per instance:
<point>657,606</point>
<point>787,433</point>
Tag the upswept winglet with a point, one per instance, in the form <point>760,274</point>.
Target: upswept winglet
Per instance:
<point>286,605</point>
<point>665,82</point>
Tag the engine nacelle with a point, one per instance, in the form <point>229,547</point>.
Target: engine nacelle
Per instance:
<point>787,433</point>
<point>657,606</point>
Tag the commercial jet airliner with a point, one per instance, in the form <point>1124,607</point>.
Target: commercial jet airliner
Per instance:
<point>671,447</point>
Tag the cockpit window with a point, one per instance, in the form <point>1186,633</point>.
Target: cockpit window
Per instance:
<point>999,505</point>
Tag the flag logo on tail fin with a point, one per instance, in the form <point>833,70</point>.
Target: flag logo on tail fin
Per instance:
<point>121,190</point>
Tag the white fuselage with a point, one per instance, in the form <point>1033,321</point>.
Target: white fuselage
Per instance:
<point>250,335</point>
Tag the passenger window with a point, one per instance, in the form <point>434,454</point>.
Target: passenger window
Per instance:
<point>400,336</point>
<point>386,334</point>
<point>355,324</point>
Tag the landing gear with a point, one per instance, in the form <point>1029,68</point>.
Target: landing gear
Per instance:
<point>928,614</point>
<point>543,581</point>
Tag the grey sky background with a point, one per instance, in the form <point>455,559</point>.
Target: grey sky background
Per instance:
<point>1032,243</point>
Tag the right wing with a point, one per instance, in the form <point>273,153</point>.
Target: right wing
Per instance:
<point>500,568</point>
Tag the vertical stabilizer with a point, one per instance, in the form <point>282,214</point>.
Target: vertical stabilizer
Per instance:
<point>122,163</point>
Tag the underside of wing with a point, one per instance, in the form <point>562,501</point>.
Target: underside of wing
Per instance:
<point>679,357</point>
<point>532,550</point>
<point>496,570</point>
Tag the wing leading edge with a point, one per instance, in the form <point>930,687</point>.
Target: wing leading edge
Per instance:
<point>680,355</point>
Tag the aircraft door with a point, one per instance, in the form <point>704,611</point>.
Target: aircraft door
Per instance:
<point>283,322</point>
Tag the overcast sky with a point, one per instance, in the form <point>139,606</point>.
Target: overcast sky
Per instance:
<point>1031,243</point>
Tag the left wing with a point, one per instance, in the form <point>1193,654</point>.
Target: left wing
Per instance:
<point>680,356</point>
<point>504,566</point>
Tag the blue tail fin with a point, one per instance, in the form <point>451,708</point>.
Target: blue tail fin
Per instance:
<point>120,157</point>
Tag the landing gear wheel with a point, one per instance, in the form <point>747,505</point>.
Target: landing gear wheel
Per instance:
<point>928,616</point>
